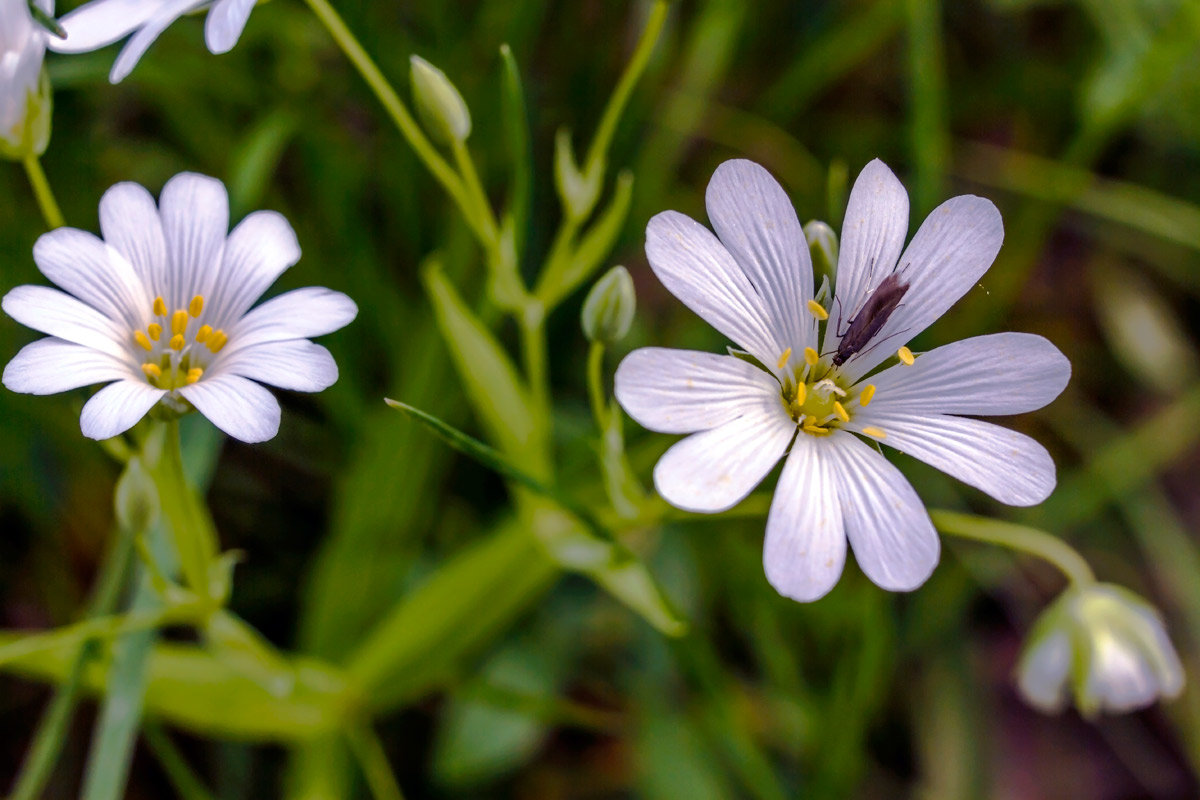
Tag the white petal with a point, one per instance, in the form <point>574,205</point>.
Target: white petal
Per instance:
<point>716,469</point>
<point>298,314</point>
<point>102,22</point>
<point>873,232</point>
<point>117,407</point>
<point>195,217</point>
<point>684,391</point>
<point>949,254</point>
<point>1042,673</point>
<point>50,365</point>
<point>259,249</point>
<point>147,32</point>
<point>1120,675</point>
<point>1008,465</point>
<point>1001,373</point>
<point>297,364</point>
<point>805,548</point>
<point>58,314</point>
<point>95,273</point>
<point>241,408</point>
<point>224,24</point>
<point>696,268</point>
<point>130,223</point>
<point>757,223</point>
<point>889,530</point>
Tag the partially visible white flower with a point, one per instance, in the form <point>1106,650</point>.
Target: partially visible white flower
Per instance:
<point>160,310</point>
<point>1105,646</point>
<point>815,394</point>
<point>24,89</point>
<point>101,22</point>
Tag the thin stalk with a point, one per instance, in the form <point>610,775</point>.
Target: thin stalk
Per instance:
<point>533,348</point>
<point>595,384</point>
<point>43,193</point>
<point>484,216</point>
<point>183,779</point>
<point>191,526</point>
<point>1016,537</point>
<point>374,764</point>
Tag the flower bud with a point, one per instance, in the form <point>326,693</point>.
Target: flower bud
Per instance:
<point>608,309</point>
<point>823,245</point>
<point>136,497</point>
<point>24,87</point>
<point>443,111</point>
<point>1105,646</point>
<point>579,191</point>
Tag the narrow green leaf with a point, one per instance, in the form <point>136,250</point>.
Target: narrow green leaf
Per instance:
<point>182,778</point>
<point>520,151</point>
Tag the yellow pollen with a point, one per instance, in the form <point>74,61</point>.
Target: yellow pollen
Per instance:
<point>783,358</point>
<point>801,394</point>
<point>204,332</point>
<point>811,356</point>
<point>177,342</point>
<point>196,306</point>
<point>906,356</point>
<point>194,374</point>
<point>840,410</point>
<point>151,370</point>
<point>817,310</point>
<point>160,306</point>
<point>155,330</point>
<point>878,433</point>
<point>179,321</point>
<point>217,341</point>
<point>867,393</point>
<point>142,340</point>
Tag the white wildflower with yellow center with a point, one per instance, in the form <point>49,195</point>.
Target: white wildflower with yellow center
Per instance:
<point>160,309</point>
<point>24,92</point>
<point>814,389</point>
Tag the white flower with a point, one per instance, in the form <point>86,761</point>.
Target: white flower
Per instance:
<point>24,95</point>
<point>101,22</point>
<point>1104,643</point>
<point>160,307</point>
<point>753,282</point>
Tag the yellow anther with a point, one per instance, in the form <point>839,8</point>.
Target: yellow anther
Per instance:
<point>194,374</point>
<point>217,341</point>
<point>151,370</point>
<point>155,330</point>
<point>801,394</point>
<point>143,341</point>
<point>817,310</point>
<point>840,410</point>
<point>811,356</point>
<point>160,306</point>
<point>179,321</point>
<point>878,433</point>
<point>196,306</point>
<point>177,342</point>
<point>906,356</point>
<point>204,332</point>
<point>783,358</point>
<point>868,392</point>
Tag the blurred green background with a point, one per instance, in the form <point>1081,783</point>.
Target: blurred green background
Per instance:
<point>1080,120</point>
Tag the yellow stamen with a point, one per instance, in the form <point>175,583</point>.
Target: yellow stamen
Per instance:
<point>868,392</point>
<point>177,342</point>
<point>811,356</point>
<point>217,341</point>
<point>817,310</point>
<point>783,358</point>
<point>179,321</point>
<point>801,395</point>
<point>204,332</point>
<point>194,374</point>
<point>906,356</point>
<point>840,410</point>
<point>878,433</point>
<point>143,341</point>
<point>196,306</point>
<point>151,370</point>
<point>155,330</point>
<point>160,306</point>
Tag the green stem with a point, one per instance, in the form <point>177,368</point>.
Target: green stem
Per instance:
<point>185,782</point>
<point>485,218</point>
<point>595,384</point>
<point>191,527</point>
<point>1016,537</point>
<point>374,764</point>
<point>99,628</point>
<point>533,346</point>
<point>41,190</point>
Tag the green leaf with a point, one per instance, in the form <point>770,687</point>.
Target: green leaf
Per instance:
<point>520,151</point>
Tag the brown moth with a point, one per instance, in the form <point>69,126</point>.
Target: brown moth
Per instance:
<point>873,315</point>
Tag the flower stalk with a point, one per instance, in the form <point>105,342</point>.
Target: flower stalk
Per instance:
<point>1017,537</point>
<point>42,192</point>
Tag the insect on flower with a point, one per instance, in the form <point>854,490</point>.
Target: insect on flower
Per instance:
<point>873,315</point>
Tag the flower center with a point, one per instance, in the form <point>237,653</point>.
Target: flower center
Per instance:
<point>820,406</point>
<point>177,346</point>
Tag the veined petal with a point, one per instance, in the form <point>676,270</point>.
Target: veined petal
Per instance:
<point>224,24</point>
<point>714,470</point>
<point>889,530</point>
<point>805,548</point>
<point>297,364</point>
<point>147,32</point>
<point>298,314</point>
<point>58,314</point>
<point>684,391</point>
<point>240,407</point>
<point>130,224</point>
<point>117,407</point>
<point>695,267</point>
<point>95,273</point>
<point>1009,466</point>
<point>102,22</point>
<point>195,218</point>
<point>949,254</point>
<point>757,223</point>
<point>257,252</point>
<point>1043,672</point>
<point>873,234</point>
<point>50,366</point>
<point>1001,373</point>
